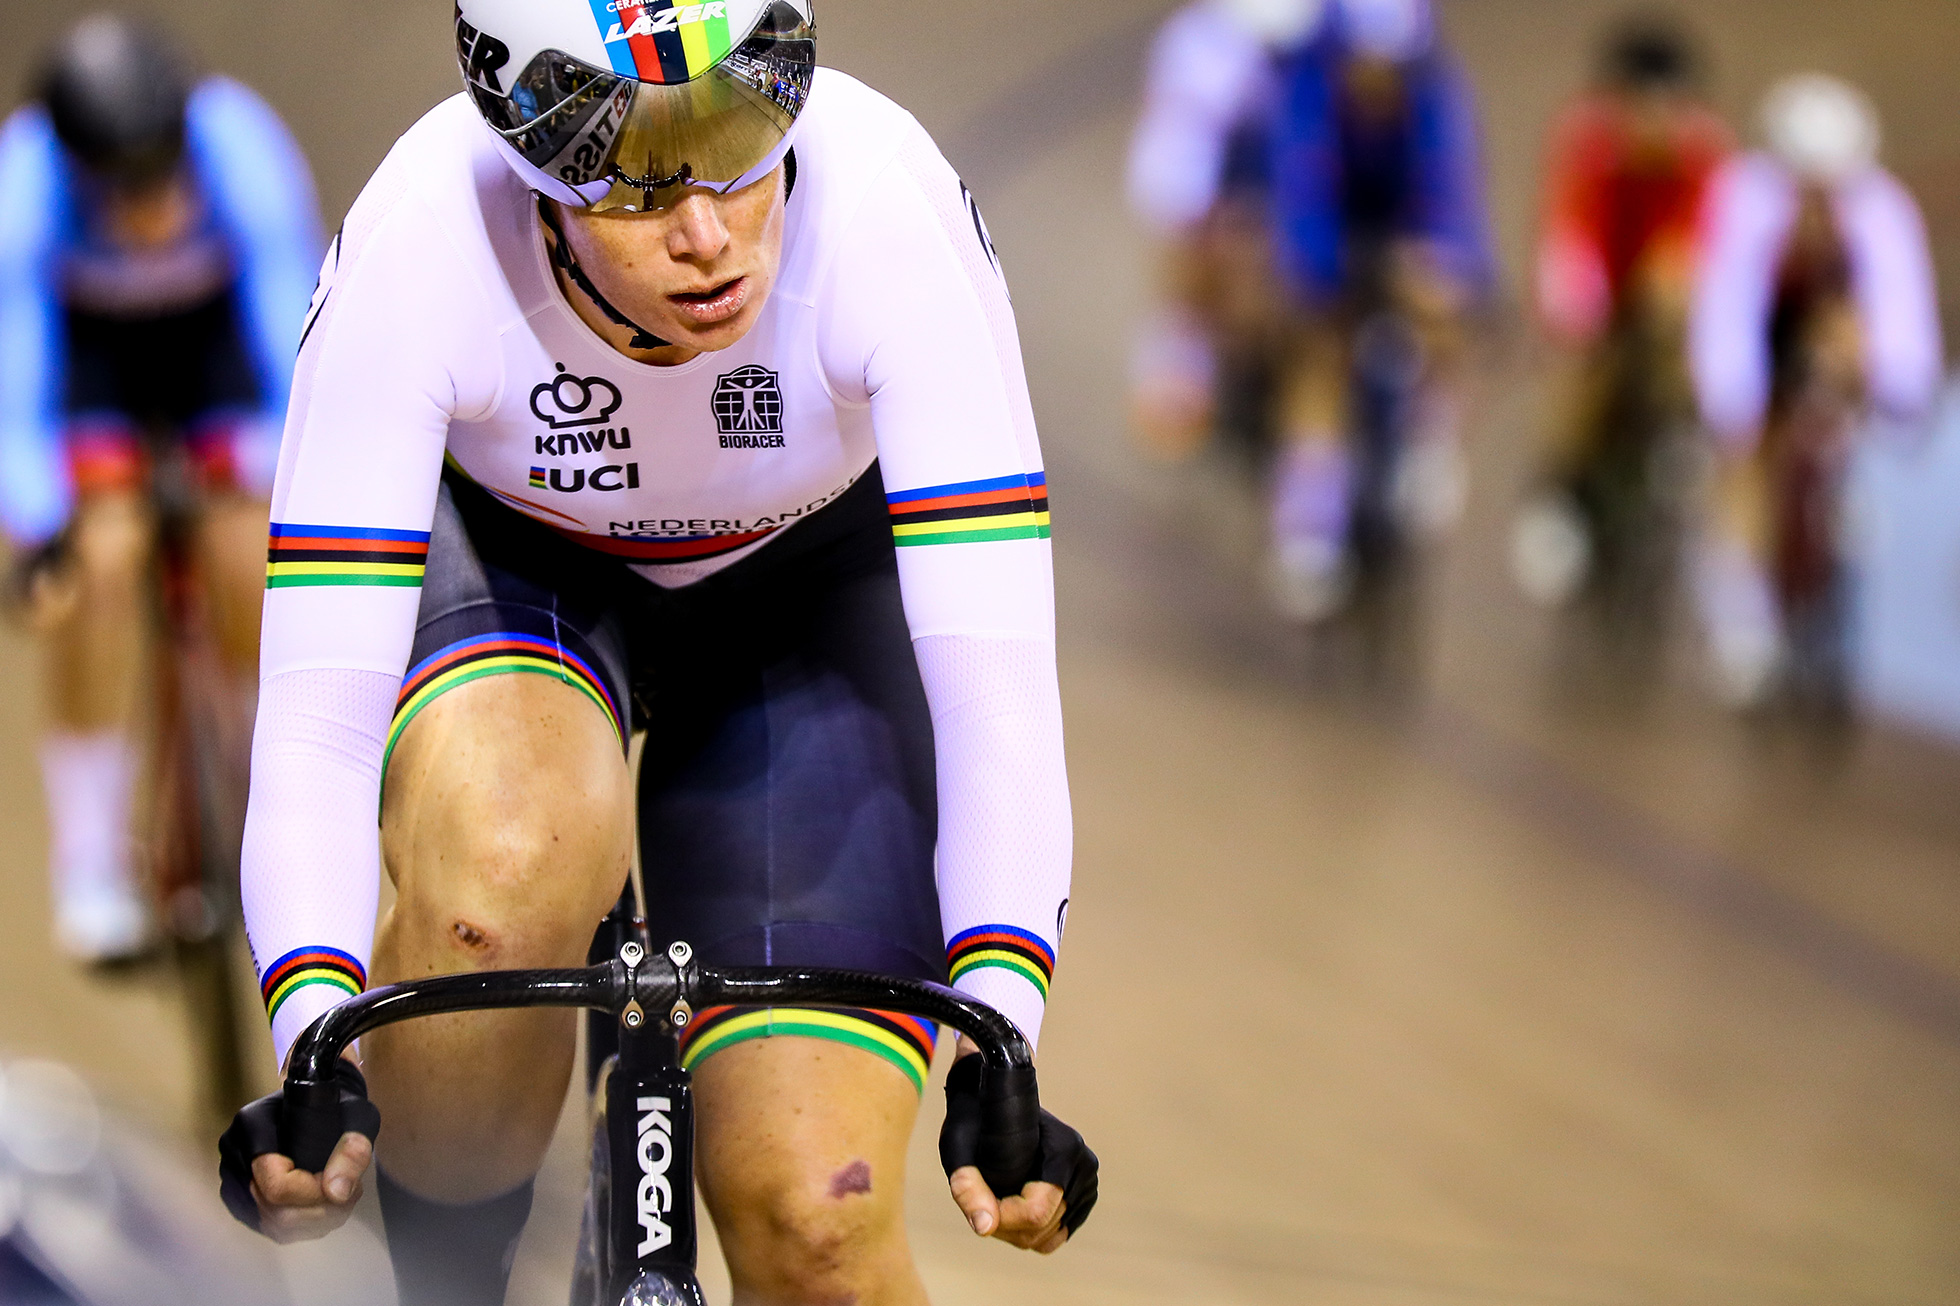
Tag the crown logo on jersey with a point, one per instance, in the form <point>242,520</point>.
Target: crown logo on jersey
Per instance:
<point>575,400</point>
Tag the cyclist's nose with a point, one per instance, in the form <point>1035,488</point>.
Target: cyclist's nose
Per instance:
<point>698,231</point>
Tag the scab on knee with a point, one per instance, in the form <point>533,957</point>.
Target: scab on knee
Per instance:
<point>471,937</point>
<point>854,1180</point>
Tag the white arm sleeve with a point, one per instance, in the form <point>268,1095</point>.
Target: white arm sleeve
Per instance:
<point>1746,224</point>
<point>1205,72</point>
<point>400,339</point>
<point>1006,838</point>
<point>316,786</point>
<point>934,353</point>
<point>1897,293</point>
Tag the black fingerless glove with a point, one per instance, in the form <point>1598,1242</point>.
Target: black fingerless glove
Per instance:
<point>1062,1157</point>
<point>255,1132</point>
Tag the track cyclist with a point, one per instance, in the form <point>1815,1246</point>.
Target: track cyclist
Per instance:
<point>1816,308</point>
<point>1629,166</point>
<point>158,238</point>
<point>1378,205</point>
<point>1199,181</point>
<point>661,380</point>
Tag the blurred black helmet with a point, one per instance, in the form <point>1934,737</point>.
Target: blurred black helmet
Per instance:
<point>117,91</point>
<point>1651,51</point>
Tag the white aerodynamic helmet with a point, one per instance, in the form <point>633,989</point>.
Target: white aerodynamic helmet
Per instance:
<point>1388,29</point>
<point>1280,23</point>
<point>619,104</point>
<point>1822,128</point>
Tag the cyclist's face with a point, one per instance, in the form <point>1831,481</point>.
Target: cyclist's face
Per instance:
<point>697,272</point>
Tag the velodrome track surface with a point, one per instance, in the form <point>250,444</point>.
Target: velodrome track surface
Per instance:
<point>1488,998</point>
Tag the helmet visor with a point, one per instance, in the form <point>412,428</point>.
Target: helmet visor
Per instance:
<point>623,143</point>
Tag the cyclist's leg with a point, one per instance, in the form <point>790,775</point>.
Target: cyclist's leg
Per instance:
<point>1313,472</point>
<point>506,824</point>
<point>506,827</point>
<point>802,1148</point>
<point>787,816</point>
<point>1733,591</point>
<point>94,619</point>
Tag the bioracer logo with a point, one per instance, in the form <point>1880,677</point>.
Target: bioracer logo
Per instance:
<point>749,409</point>
<point>656,1155</point>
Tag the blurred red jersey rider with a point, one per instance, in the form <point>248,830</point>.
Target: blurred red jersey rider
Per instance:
<point>1630,162</point>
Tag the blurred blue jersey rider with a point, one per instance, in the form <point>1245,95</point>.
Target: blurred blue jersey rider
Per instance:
<point>159,241</point>
<point>1199,181</point>
<point>1377,200</point>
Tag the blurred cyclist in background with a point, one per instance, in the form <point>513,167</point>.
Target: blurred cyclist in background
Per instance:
<point>1630,163</point>
<point>1199,179</point>
<point>1816,307</point>
<point>1378,207</point>
<point>159,240</point>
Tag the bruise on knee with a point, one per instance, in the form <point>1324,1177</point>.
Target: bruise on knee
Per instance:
<point>852,1181</point>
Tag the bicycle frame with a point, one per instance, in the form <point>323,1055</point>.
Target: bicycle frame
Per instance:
<point>650,1237</point>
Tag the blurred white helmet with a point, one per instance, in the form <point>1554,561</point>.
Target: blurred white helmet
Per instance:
<point>1822,128</point>
<point>1388,29</point>
<point>1278,22</point>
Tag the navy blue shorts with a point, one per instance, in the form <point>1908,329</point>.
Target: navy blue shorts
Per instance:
<point>787,799</point>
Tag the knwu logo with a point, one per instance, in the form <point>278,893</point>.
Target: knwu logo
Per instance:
<point>572,401</point>
<point>749,409</point>
<point>656,1155</point>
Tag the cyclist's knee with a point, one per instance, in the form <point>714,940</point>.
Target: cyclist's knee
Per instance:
<point>511,882</point>
<point>111,536</point>
<point>818,1241</point>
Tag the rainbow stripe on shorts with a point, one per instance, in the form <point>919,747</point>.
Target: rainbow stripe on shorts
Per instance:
<point>1006,948</point>
<point>305,556</point>
<point>972,512</point>
<point>499,653</point>
<point>305,967</point>
<point>905,1041</point>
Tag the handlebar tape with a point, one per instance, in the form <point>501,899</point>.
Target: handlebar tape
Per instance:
<point>313,1117</point>
<point>1010,1129</point>
<point>993,1121</point>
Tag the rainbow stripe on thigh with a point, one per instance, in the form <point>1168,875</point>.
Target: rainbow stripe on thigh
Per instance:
<point>499,653</point>
<point>905,1041</point>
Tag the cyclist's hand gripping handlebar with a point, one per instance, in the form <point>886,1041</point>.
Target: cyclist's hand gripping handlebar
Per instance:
<point>994,1122</point>
<point>303,1121</point>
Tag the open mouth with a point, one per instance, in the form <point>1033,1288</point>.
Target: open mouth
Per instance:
<point>708,307</point>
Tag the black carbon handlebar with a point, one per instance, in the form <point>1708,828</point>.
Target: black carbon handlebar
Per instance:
<point>666,992</point>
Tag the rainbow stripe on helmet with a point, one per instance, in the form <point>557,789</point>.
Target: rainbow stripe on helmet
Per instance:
<point>663,42</point>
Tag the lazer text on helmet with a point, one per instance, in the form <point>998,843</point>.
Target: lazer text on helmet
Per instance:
<point>667,20</point>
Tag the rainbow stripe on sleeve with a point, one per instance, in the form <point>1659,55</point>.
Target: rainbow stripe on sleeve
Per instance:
<point>1005,947</point>
<point>308,966</point>
<point>972,512</point>
<point>302,556</point>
